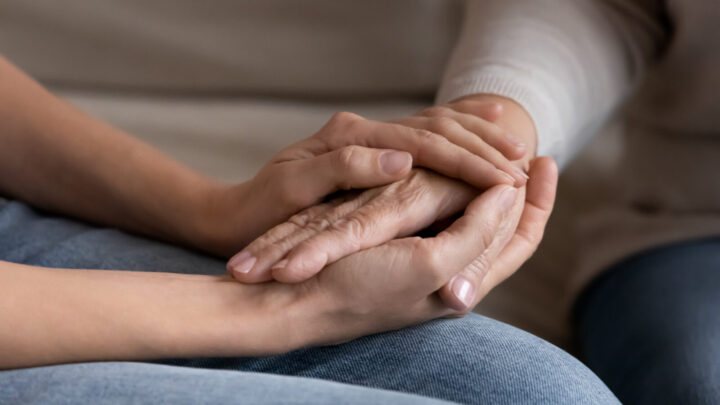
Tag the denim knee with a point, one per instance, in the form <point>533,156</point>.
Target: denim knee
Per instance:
<point>480,356</point>
<point>470,360</point>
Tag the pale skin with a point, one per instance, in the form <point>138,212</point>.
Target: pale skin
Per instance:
<point>62,160</point>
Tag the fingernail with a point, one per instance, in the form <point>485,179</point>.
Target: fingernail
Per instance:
<point>243,262</point>
<point>506,199</point>
<point>394,162</point>
<point>464,291</point>
<point>279,265</point>
<point>519,172</point>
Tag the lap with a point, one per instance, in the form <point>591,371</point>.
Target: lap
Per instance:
<point>650,327</point>
<point>471,360</point>
<point>129,383</point>
<point>30,237</point>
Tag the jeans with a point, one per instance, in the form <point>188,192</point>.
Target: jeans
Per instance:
<point>470,360</point>
<point>650,326</point>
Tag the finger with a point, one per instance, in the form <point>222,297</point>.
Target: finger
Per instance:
<point>252,264</point>
<point>460,293</point>
<point>379,221</point>
<point>509,146</point>
<point>539,204</point>
<point>350,167</point>
<point>489,111</point>
<point>467,238</point>
<point>456,133</point>
<point>241,263</point>
<point>465,290</point>
<point>428,149</point>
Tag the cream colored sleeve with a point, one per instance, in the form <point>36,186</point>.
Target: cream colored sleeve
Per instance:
<point>569,63</point>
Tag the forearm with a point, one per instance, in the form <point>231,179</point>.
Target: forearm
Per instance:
<point>57,158</point>
<point>52,316</point>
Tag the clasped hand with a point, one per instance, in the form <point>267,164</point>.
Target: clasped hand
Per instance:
<point>357,247</point>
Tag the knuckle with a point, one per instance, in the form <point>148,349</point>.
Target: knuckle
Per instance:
<point>348,158</point>
<point>344,117</point>
<point>443,125</point>
<point>339,123</point>
<point>479,267</point>
<point>430,137</point>
<point>353,226</point>
<point>343,120</point>
<point>317,225</point>
<point>410,191</point>
<point>435,111</point>
<point>301,219</point>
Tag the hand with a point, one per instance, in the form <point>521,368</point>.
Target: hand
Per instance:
<point>300,247</point>
<point>466,289</point>
<point>352,152</point>
<point>392,285</point>
<point>434,197</point>
<point>325,233</point>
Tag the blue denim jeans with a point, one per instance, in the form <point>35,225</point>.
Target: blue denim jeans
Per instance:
<point>470,360</point>
<point>650,326</point>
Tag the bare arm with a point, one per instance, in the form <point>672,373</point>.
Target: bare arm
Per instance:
<point>52,316</point>
<point>60,159</point>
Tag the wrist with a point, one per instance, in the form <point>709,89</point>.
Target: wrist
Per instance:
<point>254,320</point>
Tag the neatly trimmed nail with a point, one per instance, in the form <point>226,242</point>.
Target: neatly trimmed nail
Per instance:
<point>464,291</point>
<point>280,265</point>
<point>506,199</point>
<point>393,162</point>
<point>519,172</point>
<point>243,262</point>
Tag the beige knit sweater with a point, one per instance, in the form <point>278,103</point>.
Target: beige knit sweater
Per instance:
<point>572,64</point>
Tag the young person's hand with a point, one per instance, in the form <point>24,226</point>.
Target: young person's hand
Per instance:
<point>351,152</point>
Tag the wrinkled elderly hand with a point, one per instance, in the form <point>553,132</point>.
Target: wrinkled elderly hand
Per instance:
<point>325,233</point>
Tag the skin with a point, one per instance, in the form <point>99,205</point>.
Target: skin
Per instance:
<point>57,158</point>
<point>120,315</point>
<point>302,246</point>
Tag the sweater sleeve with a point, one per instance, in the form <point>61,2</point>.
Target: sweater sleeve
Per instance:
<point>569,63</point>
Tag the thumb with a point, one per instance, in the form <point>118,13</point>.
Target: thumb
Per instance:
<point>352,167</point>
<point>464,291</point>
